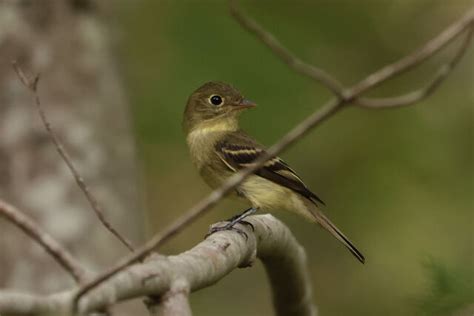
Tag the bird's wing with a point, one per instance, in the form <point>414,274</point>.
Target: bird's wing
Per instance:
<point>238,151</point>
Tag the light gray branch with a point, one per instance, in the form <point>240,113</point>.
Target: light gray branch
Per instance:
<point>171,278</point>
<point>175,302</point>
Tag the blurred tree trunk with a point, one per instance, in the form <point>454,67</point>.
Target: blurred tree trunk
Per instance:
<point>64,41</point>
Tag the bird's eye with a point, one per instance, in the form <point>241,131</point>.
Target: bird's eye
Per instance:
<point>216,99</point>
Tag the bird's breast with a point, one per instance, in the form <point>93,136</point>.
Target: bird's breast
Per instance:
<point>201,145</point>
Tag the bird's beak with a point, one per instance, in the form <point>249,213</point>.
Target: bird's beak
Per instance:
<point>245,104</point>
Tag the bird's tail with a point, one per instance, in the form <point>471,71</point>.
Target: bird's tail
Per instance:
<point>330,227</point>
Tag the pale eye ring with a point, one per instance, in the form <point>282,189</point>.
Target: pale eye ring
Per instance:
<point>216,100</point>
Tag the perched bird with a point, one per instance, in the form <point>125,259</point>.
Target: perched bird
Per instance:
<point>219,148</point>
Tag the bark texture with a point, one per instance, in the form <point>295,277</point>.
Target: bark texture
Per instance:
<point>67,43</point>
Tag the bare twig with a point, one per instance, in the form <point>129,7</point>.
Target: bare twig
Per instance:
<point>203,265</point>
<point>284,54</point>
<point>418,95</point>
<point>32,85</point>
<point>415,58</point>
<point>327,110</point>
<point>29,227</point>
<point>371,81</point>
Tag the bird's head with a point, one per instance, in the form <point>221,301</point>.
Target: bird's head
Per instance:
<point>214,103</point>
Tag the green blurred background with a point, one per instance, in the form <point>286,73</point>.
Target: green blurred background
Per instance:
<point>399,182</point>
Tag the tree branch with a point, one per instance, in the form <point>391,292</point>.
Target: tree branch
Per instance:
<point>32,85</point>
<point>170,277</point>
<point>417,57</point>
<point>284,54</point>
<point>420,94</point>
<point>46,241</point>
<point>175,302</point>
<point>326,111</point>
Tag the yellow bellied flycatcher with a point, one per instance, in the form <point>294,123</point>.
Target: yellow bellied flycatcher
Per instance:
<point>219,148</point>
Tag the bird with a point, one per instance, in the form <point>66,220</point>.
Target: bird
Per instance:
<point>219,148</point>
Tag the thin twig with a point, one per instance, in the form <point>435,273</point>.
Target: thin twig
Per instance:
<point>327,110</point>
<point>284,54</point>
<point>32,86</point>
<point>415,58</point>
<point>418,95</point>
<point>32,229</point>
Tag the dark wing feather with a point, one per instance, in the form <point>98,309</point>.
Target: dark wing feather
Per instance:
<point>237,156</point>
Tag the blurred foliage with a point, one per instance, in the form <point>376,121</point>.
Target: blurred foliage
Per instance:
<point>451,290</point>
<point>399,182</point>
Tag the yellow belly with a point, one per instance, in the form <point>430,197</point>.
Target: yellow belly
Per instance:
<point>270,196</point>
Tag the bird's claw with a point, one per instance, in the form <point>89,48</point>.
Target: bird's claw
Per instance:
<point>216,229</point>
<point>244,222</point>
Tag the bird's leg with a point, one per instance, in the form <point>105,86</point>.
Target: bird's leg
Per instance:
<point>234,220</point>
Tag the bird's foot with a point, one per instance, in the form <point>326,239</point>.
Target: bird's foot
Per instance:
<point>237,219</point>
<point>228,226</point>
<point>247,223</point>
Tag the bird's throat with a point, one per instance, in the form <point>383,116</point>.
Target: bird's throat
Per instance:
<point>210,129</point>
